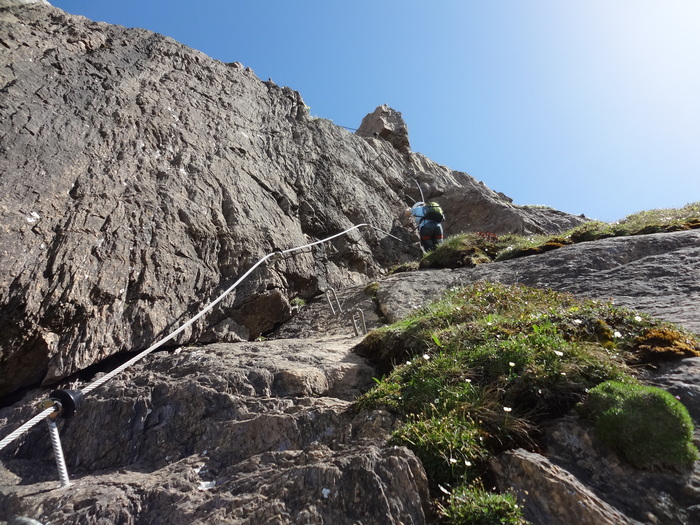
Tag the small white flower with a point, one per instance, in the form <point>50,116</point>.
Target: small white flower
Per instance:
<point>577,321</point>
<point>468,463</point>
<point>426,357</point>
<point>559,353</point>
<point>453,460</point>
<point>638,318</point>
<point>507,409</point>
<point>467,380</point>
<point>511,364</point>
<point>617,334</point>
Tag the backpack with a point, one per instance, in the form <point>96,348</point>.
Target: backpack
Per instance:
<point>433,212</point>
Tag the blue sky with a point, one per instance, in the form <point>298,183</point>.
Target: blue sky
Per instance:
<point>589,107</point>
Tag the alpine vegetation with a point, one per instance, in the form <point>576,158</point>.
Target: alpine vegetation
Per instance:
<point>483,369</point>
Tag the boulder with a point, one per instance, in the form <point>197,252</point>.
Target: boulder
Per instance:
<point>655,274</point>
<point>387,124</point>
<point>549,494</point>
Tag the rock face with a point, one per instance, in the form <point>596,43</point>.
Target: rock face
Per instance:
<point>264,431</point>
<point>245,433</point>
<point>140,178</point>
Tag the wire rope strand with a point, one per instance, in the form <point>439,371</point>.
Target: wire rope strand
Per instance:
<point>29,424</point>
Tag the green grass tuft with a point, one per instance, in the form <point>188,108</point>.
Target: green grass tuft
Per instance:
<point>473,505</point>
<point>448,446</point>
<point>405,267</point>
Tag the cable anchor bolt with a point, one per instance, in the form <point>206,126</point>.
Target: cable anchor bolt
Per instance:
<point>65,402</point>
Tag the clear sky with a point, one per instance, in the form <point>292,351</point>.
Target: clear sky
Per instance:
<point>589,107</point>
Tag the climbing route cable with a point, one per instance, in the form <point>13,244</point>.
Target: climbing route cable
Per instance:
<point>102,380</point>
<point>29,424</point>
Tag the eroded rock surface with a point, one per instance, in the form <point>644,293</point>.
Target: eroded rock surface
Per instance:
<point>228,433</point>
<point>388,124</point>
<point>140,178</point>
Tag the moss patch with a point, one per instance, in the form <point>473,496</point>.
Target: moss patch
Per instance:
<point>664,343</point>
<point>405,267</point>
<point>648,426</point>
<point>463,250</point>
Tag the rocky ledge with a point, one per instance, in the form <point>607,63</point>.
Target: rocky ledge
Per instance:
<point>265,432</point>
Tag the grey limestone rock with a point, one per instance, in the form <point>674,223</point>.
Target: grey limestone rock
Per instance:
<point>140,178</point>
<point>253,433</point>
<point>388,124</point>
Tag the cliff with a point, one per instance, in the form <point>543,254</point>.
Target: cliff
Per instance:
<point>140,179</point>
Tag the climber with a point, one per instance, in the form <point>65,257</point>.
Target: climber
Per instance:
<point>428,218</point>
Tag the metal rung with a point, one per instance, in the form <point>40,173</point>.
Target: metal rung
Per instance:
<point>357,318</point>
<point>330,292</point>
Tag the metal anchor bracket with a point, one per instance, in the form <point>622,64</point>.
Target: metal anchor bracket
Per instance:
<point>65,403</point>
